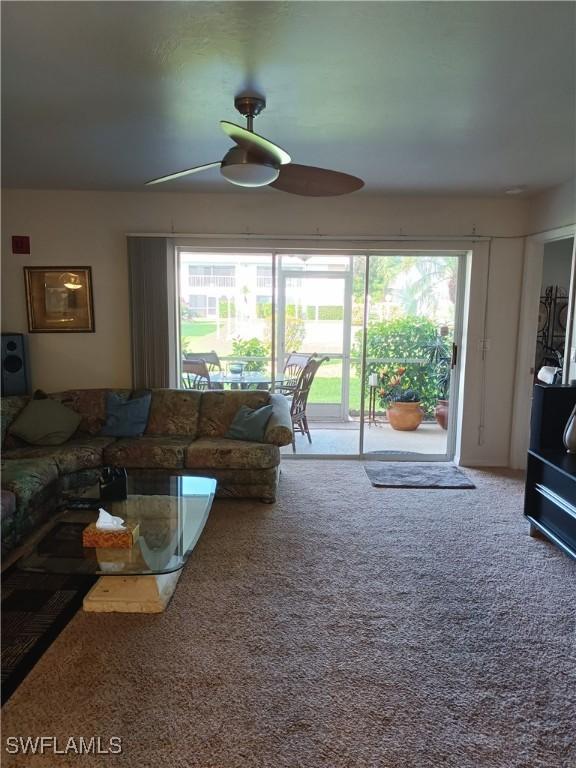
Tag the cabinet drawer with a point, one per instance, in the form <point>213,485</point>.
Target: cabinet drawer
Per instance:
<point>554,513</point>
<point>551,477</point>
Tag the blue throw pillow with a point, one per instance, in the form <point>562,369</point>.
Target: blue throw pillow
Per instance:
<point>126,418</point>
<point>250,424</point>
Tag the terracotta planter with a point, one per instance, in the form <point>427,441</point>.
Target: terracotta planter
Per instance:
<point>442,413</point>
<point>405,416</point>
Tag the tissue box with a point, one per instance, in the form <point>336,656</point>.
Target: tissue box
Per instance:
<point>124,539</point>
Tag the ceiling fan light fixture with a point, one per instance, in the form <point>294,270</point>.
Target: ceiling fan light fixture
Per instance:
<point>246,170</point>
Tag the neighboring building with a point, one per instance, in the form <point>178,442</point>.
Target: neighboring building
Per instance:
<point>215,287</point>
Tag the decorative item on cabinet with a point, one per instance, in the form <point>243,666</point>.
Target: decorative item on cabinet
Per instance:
<point>570,433</point>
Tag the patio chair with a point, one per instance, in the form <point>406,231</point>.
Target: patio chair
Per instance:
<point>293,368</point>
<point>300,399</point>
<point>195,374</point>
<point>210,358</point>
<point>212,363</point>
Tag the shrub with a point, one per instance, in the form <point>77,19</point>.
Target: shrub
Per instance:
<point>264,311</point>
<point>186,311</point>
<point>357,313</point>
<point>440,358</point>
<point>294,310</point>
<point>330,312</point>
<point>252,348</point>
<point>403,341</point>
<point>294,333</point>
<point>226,308</point>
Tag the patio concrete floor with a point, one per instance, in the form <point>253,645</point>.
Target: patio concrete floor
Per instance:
<point>335,438</point>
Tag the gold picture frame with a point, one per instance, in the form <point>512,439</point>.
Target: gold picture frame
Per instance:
<point>59,299</point>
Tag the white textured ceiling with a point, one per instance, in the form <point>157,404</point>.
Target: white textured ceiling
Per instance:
<point>414,97</point>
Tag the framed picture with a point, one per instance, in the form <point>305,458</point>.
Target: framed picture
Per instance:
<point>59,299</point>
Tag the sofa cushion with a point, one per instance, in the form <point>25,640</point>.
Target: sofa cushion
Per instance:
<point>148,452</point>
<point>73,456</point>
<point>45,422</point>
<point>250,424</point>
<point>27,477</point>
<point>126,418</point>
<point>219,408</point>
<point>174,412</point>
<point>8,506</point>
<point>90,404</point>
<point>36,487</point>
<point>206,453</point>
<point>10,408</point>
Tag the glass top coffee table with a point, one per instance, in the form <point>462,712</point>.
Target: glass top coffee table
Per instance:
<point>171,512</point>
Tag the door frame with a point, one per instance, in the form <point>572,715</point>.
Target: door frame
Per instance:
<point>527,334</point>
<point>456,374</point>
<point>331,414</point>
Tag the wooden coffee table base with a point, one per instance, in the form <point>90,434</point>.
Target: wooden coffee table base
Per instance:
<point>131,594</point>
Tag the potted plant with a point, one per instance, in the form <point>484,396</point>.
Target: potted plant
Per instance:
<point>439,356</point>
<point>403,407</point>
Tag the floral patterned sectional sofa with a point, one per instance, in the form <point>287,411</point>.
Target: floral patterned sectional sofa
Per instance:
<point>185,433</point>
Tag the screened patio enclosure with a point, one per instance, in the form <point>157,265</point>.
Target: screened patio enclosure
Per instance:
<point>387,322</point>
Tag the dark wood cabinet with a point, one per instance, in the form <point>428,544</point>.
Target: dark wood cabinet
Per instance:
<point>550,500</point>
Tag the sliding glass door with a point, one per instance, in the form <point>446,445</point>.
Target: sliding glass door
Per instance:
<point>386,325</point>
<point>412,337</point>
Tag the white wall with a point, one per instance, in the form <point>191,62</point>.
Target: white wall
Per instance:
<point>557,263</point>
<point>491,329</point>
<point>553,208</point>
<point>89,228</point>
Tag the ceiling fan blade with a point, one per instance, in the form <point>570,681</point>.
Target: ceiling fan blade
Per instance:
<point>315,182</point>
<point>254,143</point>
<point>187,172</point>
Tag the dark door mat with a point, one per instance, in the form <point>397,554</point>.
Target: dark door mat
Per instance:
<point>35,609</point>
<point>408,474</point>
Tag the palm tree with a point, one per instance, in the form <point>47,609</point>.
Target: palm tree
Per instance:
<point>419,295</point>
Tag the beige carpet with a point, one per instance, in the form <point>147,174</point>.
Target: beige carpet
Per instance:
<point>344,627</point>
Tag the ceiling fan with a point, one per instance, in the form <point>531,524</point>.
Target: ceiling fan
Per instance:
<point>257,162</point>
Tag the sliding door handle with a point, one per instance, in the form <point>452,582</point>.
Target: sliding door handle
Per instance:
<point>454,356</point>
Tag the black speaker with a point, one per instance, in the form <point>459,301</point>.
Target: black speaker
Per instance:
<point>15,373</point>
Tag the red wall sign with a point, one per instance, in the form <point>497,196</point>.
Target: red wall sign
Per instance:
<point>21,244</point>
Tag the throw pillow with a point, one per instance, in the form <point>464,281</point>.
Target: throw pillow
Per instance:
<point>126,418</point>
<point>250,424</point>
<point>45,422</point>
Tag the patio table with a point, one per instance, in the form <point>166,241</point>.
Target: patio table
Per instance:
<point>245,380</point>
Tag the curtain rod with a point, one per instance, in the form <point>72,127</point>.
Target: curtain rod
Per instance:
<point>334,238</point>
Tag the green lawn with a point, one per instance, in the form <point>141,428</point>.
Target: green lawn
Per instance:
<point>196,328</point>
<point>326,388</point>
<point>329,390</point>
